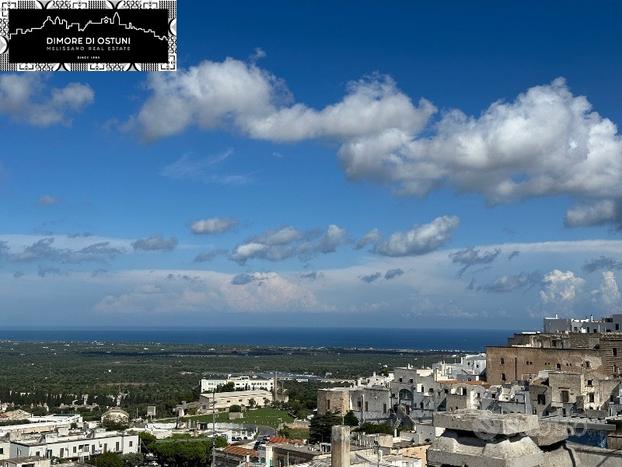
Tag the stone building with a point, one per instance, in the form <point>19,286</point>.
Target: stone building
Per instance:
<point>482,439</point>
<point>369,404</point>
<point>333,400</point>
<point>224,400</point>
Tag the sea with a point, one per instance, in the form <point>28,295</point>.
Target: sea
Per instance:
<point>364,338</point>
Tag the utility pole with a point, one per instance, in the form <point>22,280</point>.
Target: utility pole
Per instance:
<point>214,427</point>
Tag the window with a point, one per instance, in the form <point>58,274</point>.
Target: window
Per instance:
<point>131,443</point>
<point>541,399</point>
<point>1,450</point>
<point>366,406</point>
<point>617,327</point>
<point>589,382</point>
<point>591,397</point>
<point>559,366</point>
<point>384,408</point>
<point>358,403</point>
<point>117,447</point>
<point>502,361</point>
<point>587,364</point>
<point>615,351</point>
<point>412,380</point>
<point>400,380</point>
<point>328,404</point>
<point>75,449</point>
<point>503,378</point>
<point>565,396</point>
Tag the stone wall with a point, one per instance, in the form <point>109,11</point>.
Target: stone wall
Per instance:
<point>335,400</point>
<point>507,364</point>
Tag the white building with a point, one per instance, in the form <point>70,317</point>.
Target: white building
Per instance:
<point>470,368</point>
<point>224,400</point>
<point>585,326</point>
<point>42,425</point>
<point>75,446</point>
<point>26,462</point>
<point>239,383</point>
<point>5,450</point>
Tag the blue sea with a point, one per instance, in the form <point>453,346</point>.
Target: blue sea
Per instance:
<point>378,338</point>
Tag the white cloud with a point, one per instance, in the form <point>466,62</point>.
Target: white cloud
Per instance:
<point>608,294</point>
<point>420,239</point>
<point>597,213</point>
<point>370,107</point>
<point>27,97</point>
<point>169,292</point>
<point>213,225</point>
<point>560,287</point>
<point>209,95</point>
<point>545,142</point>
<point>155,243</point>
<point>370,238</point>
<point>288,242</point>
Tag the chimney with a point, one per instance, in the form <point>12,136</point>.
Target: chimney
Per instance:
<point>340,446</point>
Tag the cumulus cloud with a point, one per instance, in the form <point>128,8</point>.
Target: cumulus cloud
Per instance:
<point>369,278</point>
<point>209,95</point>
<point>604,262</point>
<point>44,250</point>
<point>210,292</point>
<point>370,238</point>
<point>155,243</point>
<point>598,213</point>
<point>546,141</point>
<point>214,225</point>
<point>560,287</point>
<point>510,283</point>
<point>28,98</point>
<point>48,200</point>
<point>288,242</point>
<point>513,255</point>
<point>608,293</point>
<point>419,240</point>
<point>393,273</point>
<point>471,257</point>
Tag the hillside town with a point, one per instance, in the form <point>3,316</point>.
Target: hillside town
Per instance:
<point>551,397</point>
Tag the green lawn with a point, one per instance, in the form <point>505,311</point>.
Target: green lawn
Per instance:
<point>264,416</point>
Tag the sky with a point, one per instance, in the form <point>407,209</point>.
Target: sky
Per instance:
<point>356,163</point>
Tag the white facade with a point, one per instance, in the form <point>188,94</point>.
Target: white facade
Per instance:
<point>75,446</point>
<point>239,383</point>
<point>5,450</point>
<point>587,325</point>
<point>42,425</point>
<point>224,400</point>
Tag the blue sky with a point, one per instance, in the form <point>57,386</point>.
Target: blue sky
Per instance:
<point>357,164</point>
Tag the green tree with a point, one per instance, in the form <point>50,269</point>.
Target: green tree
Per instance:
<point>373,428</point>
<point>133,460</point>
<point>350,419</point>
<point>115,426</point>
<point>109,459</point>
<point>229,387</point>
<point>190,452</point>
<point>321,426</point>
<point>235,408</point>
<point>147,441</point>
